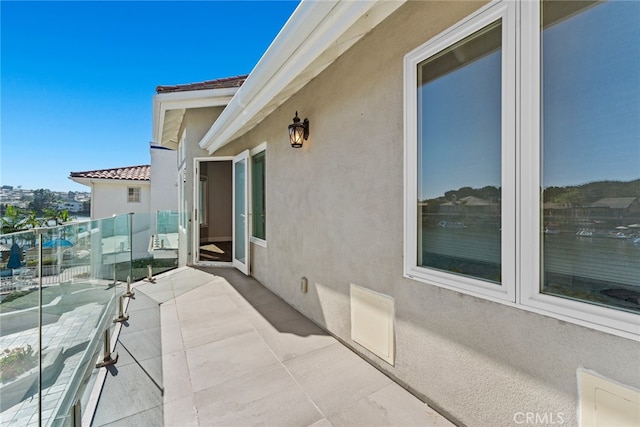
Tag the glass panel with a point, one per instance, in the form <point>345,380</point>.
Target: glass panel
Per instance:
<point>84,268</point>
<point>155,245</point>
<point>591,152</point>
<point>202,201</point>
<point>258,195</point>
<point>19,327</point>
<point>459,157</point>
<point>167,222</point>
<point>240,210</point>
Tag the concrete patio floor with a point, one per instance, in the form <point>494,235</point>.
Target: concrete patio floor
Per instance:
<point>234,354</point>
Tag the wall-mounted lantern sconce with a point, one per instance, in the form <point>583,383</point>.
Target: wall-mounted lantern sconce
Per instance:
<point>298,131</point>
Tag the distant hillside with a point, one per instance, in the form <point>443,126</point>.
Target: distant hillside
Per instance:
<point>575,195</point>
<point>589,193</point>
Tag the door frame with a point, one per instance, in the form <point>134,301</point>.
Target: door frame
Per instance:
<point>195,232</point>
<point>243,266</point>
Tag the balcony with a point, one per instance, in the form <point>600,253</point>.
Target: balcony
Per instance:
<point>190,346</point>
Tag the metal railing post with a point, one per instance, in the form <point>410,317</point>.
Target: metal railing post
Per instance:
<point>129,293</point>
<point>109,358</point>
<point>76,414</point>
<point>122,316</point>
<point>150,274</point>
<point>40,232</point>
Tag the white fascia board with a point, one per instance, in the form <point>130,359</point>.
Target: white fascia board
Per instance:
<point>315,35</point>
<point>185,100</point>
<point>83,181</point>
<point>89,181</point>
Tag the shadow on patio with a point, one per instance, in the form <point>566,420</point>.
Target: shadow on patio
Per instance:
<point>224,350</point>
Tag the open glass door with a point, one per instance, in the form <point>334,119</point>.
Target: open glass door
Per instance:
<point>241,212</point>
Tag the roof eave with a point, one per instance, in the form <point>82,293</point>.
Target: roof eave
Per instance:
<point>315,35</point>
<point>83,181</point>
<point>89,181</point>
<point>180,102</point>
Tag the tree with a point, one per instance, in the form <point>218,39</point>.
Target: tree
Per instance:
<point>14,220</point>
<point>42,199</point>
<point>55,215</point>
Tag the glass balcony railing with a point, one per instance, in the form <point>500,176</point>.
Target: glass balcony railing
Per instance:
<point>62,287</point>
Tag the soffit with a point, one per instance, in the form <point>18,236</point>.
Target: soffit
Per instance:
<point>170,106</point>
<point>171,127</point>
<point>314,37</point>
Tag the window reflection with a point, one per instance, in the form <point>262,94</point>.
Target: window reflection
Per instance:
<point>591,152</point>
<point>459,157</point>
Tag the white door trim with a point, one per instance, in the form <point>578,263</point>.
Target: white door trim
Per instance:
<point>243,263</point>
<point>195,224</point>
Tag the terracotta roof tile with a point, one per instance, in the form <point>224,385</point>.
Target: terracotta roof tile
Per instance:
<point>223,83</point>
<point>130,173</point>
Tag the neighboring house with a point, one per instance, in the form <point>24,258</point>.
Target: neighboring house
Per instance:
<point>117,191</point>
<point>71,207</point>
<point>143,190</point>
<point>470,205</point>
<point>490,325</point>
<point>617,208</point>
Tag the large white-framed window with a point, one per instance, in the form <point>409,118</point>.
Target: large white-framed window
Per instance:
<point>580,144</point>
<point>570,183</point>
<point>459,124</point>
<point>258,195</point>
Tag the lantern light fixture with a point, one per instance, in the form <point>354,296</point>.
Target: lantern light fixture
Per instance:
<point>298,131</point>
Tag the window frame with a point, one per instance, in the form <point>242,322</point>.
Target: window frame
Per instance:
<point>134,191</point>
<point>602,318</point>
<point>262,148</point>
<point>506,12</point>
<point>522,68</point>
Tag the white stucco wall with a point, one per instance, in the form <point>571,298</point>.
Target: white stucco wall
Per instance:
<point>110,198</point>
<point>164,183</point>
<point>335,216</point>
<point>164,179</point>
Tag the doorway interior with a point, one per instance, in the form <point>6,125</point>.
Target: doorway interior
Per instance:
<point>214,210</point>
<point>221,210</point>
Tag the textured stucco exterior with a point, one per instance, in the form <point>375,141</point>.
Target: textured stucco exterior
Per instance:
<point>335,216</point>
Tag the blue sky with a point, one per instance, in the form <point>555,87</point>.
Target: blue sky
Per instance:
<point>471,156</point>
<point>77,78</point>
<point>591,108</point>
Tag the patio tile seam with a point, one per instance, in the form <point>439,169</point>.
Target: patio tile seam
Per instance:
<point>313,402</point>
<point>293,378</point>
<point>224,339</point>
<point>120,420</point>
<point>169,397</point>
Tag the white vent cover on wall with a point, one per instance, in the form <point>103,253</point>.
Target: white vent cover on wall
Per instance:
<point>372,322</point>
<point>605,403</point>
